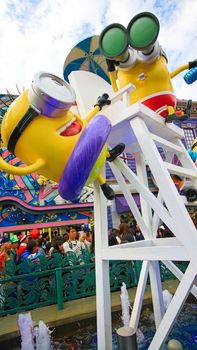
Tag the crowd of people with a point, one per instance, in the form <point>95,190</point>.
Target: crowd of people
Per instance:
<point>125,233</point>
<point>21,247</point>
<point>18,246</point>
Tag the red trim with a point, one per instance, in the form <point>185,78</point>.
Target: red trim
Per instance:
<point>159,101</point>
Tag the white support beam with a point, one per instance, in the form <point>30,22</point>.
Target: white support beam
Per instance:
<point>171,241</point>
<point>174,308</point>
<point>139,297</point>
<point>178,274</point>
<point>178,253</point>
<point>154,272</point>
<point>178,170</point>
<point>103,298</point>
<point>147,195</point>
<point>135,244</point>
<point>168,241</point>
<point>156,219</point>
<point>156,291</point>
<point>167,145</point>
<point>142,176</point>
<point>131,202</point>
<point>166,185</point>
<point>141,129</point>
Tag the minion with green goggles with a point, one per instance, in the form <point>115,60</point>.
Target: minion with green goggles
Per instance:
<point>134,56</point>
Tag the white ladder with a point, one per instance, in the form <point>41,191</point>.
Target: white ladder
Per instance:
<point>142,130</point>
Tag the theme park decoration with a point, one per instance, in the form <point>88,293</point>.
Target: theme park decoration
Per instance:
<point>142,130</point>
<point>41,130</point>
<point>86,56</point>
<point>134,56</point>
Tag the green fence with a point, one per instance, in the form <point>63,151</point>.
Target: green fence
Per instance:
<point>59,279</point>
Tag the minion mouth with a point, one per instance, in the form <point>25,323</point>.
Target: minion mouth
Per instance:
<point>72,128</point>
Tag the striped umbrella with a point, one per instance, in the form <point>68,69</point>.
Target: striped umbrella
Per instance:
<point>86,56</point>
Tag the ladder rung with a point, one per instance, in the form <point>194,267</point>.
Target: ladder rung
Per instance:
<point>178,170</point>
<point>166,144</point>
<point>118,95</point>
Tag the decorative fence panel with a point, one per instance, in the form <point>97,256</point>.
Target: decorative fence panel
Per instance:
<point>59,279</point>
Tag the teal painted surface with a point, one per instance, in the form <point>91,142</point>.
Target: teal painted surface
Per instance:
<point>59,279</point>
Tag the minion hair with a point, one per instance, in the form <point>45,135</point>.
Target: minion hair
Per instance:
<point>10,96</point>
<point>17,88</point>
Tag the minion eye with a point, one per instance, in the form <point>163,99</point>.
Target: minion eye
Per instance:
<point>49,95</point>
<point>113,42</point>
<point>143,31</point>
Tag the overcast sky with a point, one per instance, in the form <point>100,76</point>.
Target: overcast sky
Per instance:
<point>38,34</point>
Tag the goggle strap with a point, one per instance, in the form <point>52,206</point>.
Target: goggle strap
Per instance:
<point>24,122</point>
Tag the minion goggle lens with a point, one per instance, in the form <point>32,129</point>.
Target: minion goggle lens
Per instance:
<point>141,34</point>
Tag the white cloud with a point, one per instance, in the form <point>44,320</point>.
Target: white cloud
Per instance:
<point>38,34</point>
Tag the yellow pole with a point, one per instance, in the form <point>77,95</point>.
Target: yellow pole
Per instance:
<point>112,77</point>
<point>92,113</point>
<point>179,70</point>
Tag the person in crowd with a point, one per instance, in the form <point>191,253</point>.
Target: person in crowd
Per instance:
<point>167,233</point>
<point>160,231</point>
<point>65,237</point>
<point>5,253</point>
<point>23,240</point>
<point>112,240</point>
<point>32,253</point>
<point>58,246</point>
<point>34,233</point>
<point>88,241</point>
<point>41,246</point>
<point>195,220</point>
<point>114,237</point>
<point>18,233</point>
<point>73,244</point>
<point>125,234</point>
<point>46,242</point>
<point>138,234</point>
<point>14,247</point>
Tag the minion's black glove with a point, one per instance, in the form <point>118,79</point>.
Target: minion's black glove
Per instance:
<point>193,64</point>
<point>102,101</point>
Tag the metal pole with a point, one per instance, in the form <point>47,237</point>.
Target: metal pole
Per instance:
<point>127,339</point>
<point>59,286</point>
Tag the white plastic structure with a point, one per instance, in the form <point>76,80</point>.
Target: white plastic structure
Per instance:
<point>142,130</point>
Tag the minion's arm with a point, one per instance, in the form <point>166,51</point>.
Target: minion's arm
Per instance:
<point>112,74</point>
<point>179,70</point>
<point>21,170</point>
<point>101,101</point>
<point>189,65</point>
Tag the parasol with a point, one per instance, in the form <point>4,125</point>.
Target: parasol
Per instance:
<point>86,56</point>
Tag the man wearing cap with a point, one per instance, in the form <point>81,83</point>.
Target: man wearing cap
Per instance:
<point>23,244</point>
<point>14,249</point>
<point>5,253</point>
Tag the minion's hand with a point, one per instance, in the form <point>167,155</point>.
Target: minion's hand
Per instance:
<point>193,64</point>
<point>102,101</point>
<point>111,65</point>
